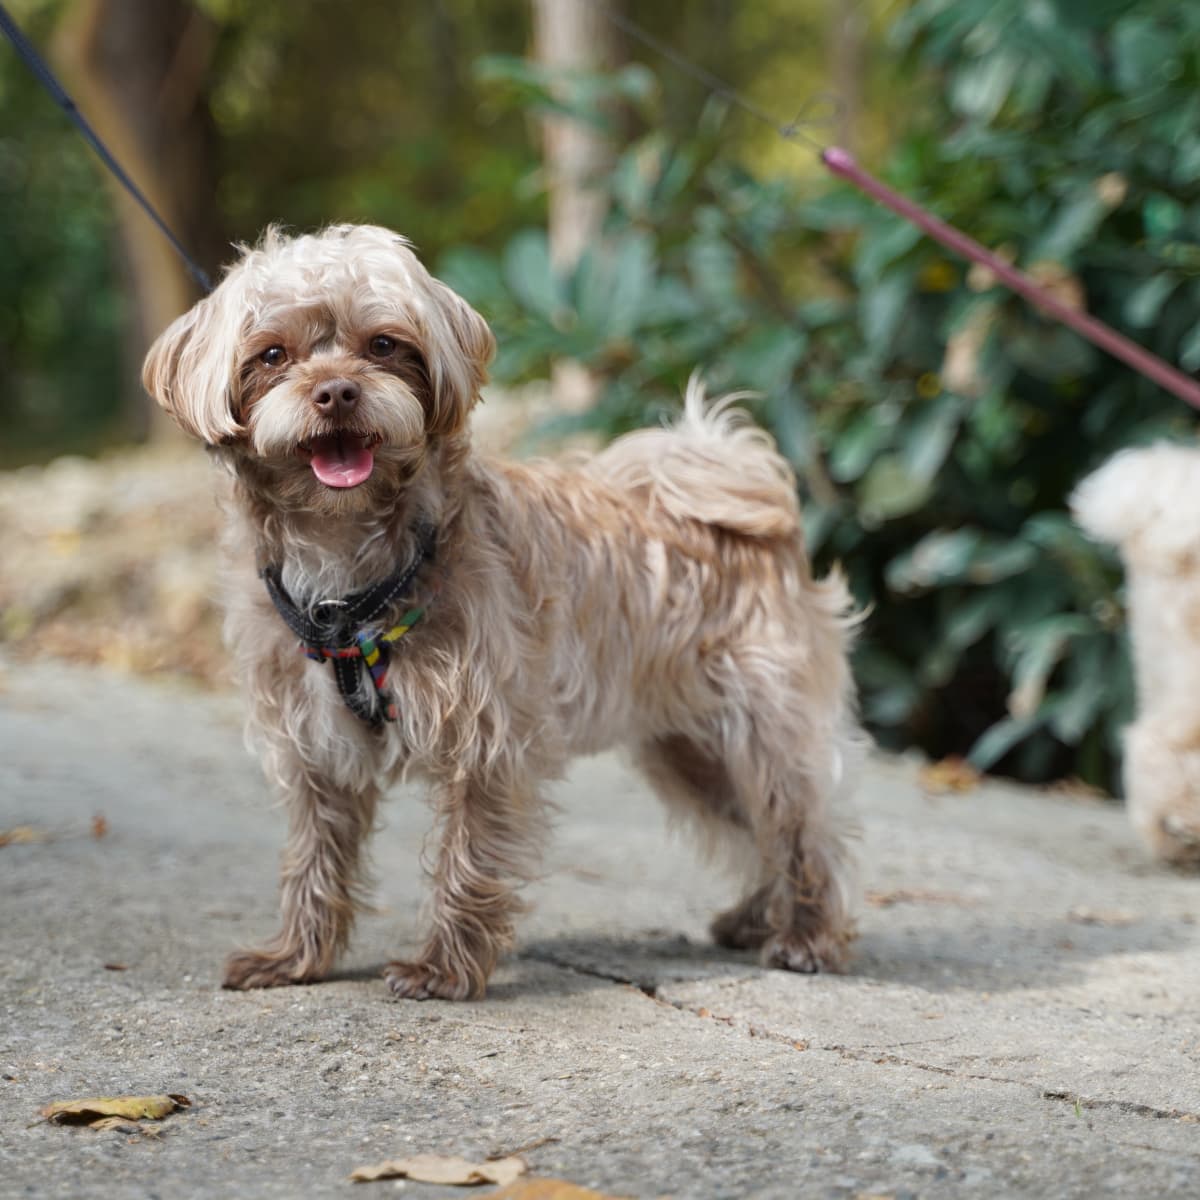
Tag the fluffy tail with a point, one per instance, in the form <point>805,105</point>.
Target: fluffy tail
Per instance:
<point>712,465</point>
<point>1145,500</point>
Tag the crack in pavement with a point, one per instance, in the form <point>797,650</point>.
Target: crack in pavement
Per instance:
<point>861,1053</point>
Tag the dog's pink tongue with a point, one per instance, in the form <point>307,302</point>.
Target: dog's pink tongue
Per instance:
<point>341,461</point>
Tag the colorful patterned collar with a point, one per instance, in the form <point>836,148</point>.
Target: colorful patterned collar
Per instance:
<point>352,634</point>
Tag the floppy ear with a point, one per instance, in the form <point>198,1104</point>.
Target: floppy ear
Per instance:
<point>191,368</point>
<point>461,346</point>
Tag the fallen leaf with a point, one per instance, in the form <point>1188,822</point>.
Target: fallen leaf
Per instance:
<point>115,966</point>
<point>126,1108</point>
<point>542,1141</point>
<point>443,1168</point>
<point>952,774</point>
<point>124,1125</point>
<point>1096,916</point>
<point>22,835</point>
<point>99,826</point>
<point>549,1189</point>
<point>914,896</point>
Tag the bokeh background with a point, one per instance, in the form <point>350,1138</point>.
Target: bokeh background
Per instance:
<point>619,226</point>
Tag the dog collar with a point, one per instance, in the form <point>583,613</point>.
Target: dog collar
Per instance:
<point>350,635</point>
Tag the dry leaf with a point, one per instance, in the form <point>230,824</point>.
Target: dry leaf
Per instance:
<point>124,1125</point>
<point>913,896</point>
<point>443,1168</point>
<point>22,835</point>
<point>127,1108</point>
<point>549,1189</point>
<point>1094,916</point>
<point>952,774</point>
<point>116,966</point>
<point>99,826</point>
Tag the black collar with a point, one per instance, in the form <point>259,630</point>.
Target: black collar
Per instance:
<point>346,630</point>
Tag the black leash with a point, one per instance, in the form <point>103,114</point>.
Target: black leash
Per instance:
<point>46,77</point>
<point>349,637</point>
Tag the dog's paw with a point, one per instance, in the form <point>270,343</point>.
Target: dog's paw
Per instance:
<point>807,954</point>
<point>425,981</point>
<point>739,929</point>
<point>263,969</point>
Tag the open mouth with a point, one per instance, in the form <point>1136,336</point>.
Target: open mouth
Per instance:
<point>343,459</point>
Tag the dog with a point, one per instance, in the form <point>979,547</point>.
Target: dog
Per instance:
<point>1146,502</point>
<point>481,622</point>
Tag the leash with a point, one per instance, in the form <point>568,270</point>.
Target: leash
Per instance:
<point>842,163</point>
<point>349,638</point>
<point>46,77</point>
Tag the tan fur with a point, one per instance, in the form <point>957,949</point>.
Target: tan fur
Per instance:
<point>1147,502</point>
<point>655,597</point>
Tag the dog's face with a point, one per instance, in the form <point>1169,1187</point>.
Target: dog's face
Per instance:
<point>328,364</point>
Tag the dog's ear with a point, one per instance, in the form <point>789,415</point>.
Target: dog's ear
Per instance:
<point>460,346</point>
<point>191,370</point>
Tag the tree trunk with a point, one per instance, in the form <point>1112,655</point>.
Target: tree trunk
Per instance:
<point>573,35</point>
<point>137,68</point>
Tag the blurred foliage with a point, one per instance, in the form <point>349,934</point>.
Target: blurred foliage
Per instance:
<point>937,422</point>
<point>60,306</point>
<point>319,112</point>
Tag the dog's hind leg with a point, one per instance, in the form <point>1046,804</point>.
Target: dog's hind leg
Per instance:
<point>488,848</point>
<point>692,782</point>
<point>788,770</point>
<point>763,790</point>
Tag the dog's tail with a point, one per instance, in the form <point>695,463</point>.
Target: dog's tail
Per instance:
<point>1144,500</point>
<point>711,465</point>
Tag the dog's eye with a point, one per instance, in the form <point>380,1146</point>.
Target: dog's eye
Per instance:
<point>381,345</point>
<point>274,356</point>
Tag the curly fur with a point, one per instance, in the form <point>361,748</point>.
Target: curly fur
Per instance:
<point>655,597</point>
<point>1147,503</point>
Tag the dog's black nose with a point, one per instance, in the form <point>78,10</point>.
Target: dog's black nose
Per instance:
<point>336,397</point>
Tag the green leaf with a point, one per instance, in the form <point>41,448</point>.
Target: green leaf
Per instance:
<point>883,247</point>
<point>890,490</point>
<point>712,264</point>
<point>474,274</point>
<point>999,739</point>
<point>1141,49</point>
<point>1038,652</point>
<point>530,276</point>
<point>610,285</point>
<point>1074,223</point>
<point>1001,560</point>
<point>1145,302</point>
<point>857,446</point>
<point>937,558</point>
<point>925,441</point>
<point>881,310</point>
<point>980,88</point>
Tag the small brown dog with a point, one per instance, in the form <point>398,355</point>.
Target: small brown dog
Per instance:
<point>481,622</point>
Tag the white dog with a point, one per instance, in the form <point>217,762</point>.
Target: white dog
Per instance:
<point>1147,503</point>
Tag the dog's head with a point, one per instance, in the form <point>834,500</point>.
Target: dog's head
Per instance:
<point>331,361</point>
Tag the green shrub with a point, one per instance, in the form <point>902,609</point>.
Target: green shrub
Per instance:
<point>937,423</point>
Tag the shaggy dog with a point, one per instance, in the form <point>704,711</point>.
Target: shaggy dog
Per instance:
<point>1147,503</point>
<point>481,622</point>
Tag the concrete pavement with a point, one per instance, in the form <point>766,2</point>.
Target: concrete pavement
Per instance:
<point>1022,1017</point>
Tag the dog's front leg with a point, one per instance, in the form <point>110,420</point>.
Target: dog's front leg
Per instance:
<point>322,878</point>
<point>488,848</point>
